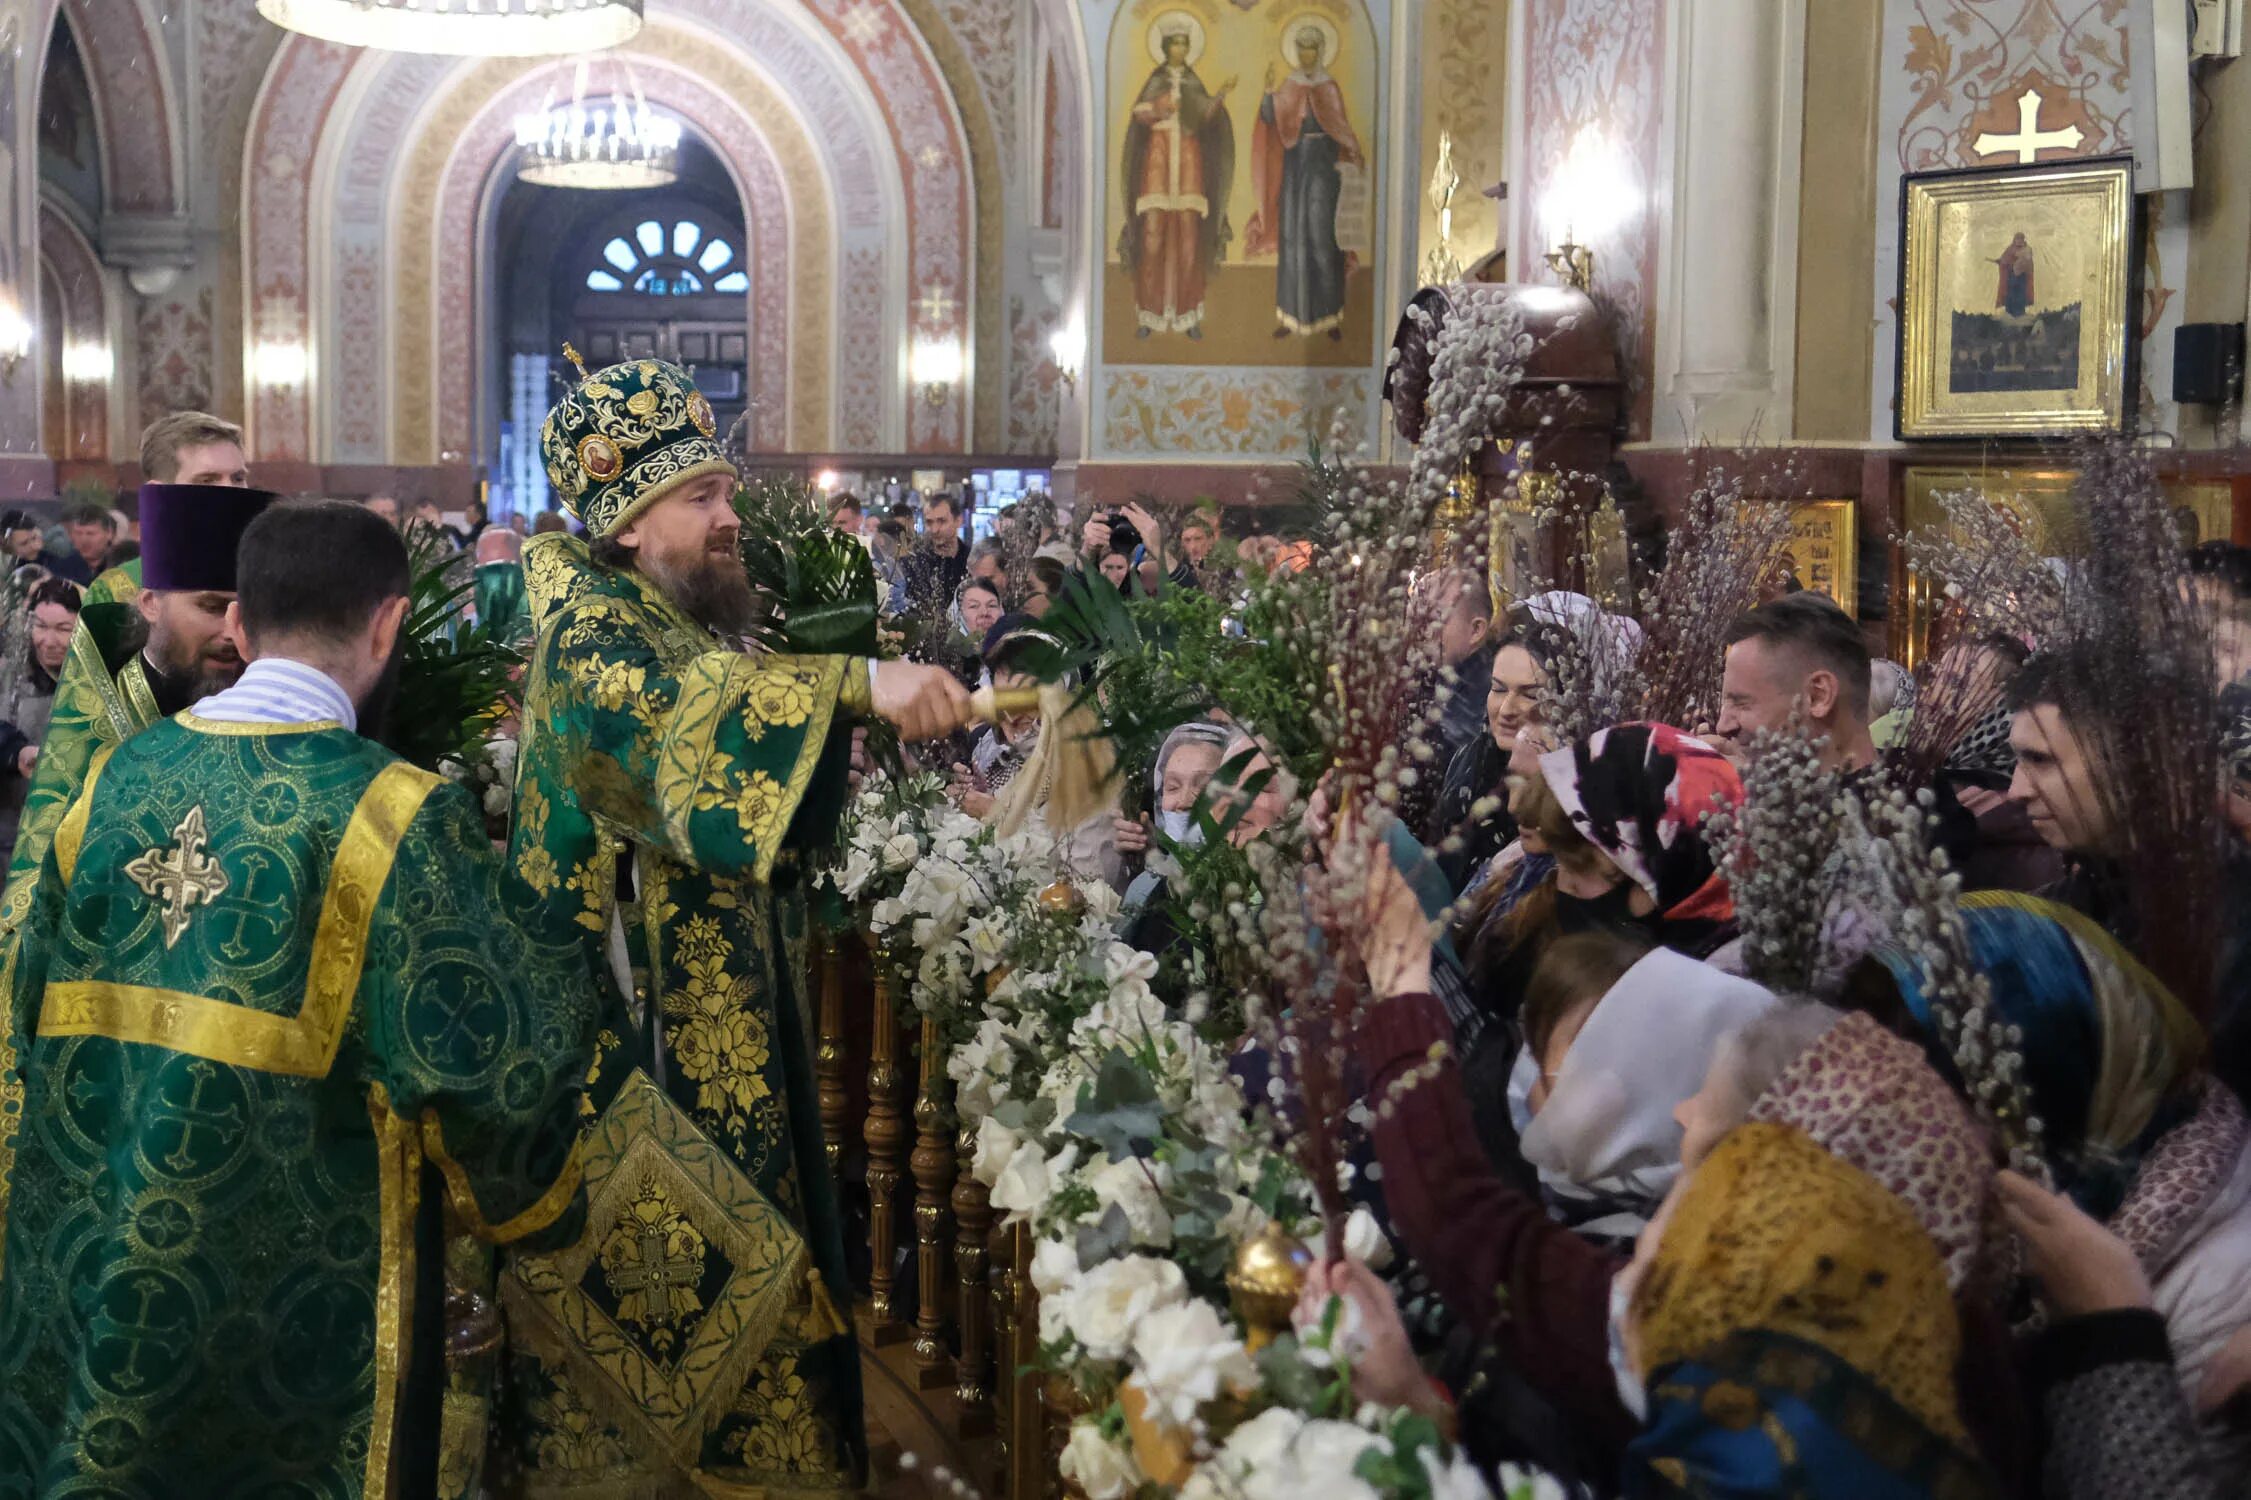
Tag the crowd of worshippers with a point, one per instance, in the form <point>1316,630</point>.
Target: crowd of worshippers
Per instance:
<point>1666,1230</point>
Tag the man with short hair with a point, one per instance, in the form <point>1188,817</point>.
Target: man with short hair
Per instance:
<point>499,589</point>
<point>935,569</point>
<point>432,517</point>
<point>279,986</point>
<point>27,546</point>
<point>194,447</point>
<point>386,508</point>
<point>93,531</point>
<point>666,782</point>
<point>845,514</point>
<point>1800,654</point>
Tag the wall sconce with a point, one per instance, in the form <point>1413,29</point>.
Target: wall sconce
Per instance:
<point>88,364</point>
<point>1067,346</point>
<point>279,364</point>
<point>1594,192</point>
<point>1573,262</point>
<point>16,337</point>
<point>936,368</point>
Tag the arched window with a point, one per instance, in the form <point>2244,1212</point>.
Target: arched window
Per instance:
<point>676,261</point>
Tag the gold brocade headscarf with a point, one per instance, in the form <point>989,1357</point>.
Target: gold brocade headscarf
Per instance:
<point>1774,1233</point>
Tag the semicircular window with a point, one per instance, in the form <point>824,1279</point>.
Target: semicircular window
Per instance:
<point>681,259</point>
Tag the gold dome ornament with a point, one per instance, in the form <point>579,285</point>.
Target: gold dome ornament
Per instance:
<point>1266,1279</point>
<point>1063,901</point>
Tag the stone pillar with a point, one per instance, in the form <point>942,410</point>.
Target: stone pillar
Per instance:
<point>1727,292</point>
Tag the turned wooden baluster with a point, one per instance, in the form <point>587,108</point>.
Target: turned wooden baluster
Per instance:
<point>933,1166</point>
<point>829,1060</point>
<point>885,1133</point>
<point>1031,1461</point>
<point>973,1227</point>
<point>1003,1306</point>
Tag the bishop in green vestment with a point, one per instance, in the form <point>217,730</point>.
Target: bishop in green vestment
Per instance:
<point>665,779</point>
<point>269,973</point>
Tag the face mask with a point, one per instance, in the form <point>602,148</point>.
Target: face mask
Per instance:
<point>1180,827</point>
<point>1631,1392</point>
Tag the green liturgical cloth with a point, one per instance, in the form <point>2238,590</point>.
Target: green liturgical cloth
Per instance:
<point>650,743</point>
<point>267,974</point>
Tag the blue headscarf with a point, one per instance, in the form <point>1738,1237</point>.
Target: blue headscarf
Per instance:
<point>2105,1045</point>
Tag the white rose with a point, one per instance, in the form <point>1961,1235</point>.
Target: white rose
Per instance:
<point>887,913</point>
<point>857,872</point>
<point>1129,1185</point>
<point>1322,1455</point>
<point>1102,903</point>
<point>996,1143</point>
<point>1110,1300</point>
<point>496,800</point>
<point>1055,1265</point>
<point>1121,963</point>
<point>899,851</point>
<point>1187,1356</point>
<point>1457,1479</point>
<point>1102,1470</point>
<point>1261,1442</point>
<point>986,939</point>
<point>1022,1185</point>
<point>1054,1324</point>
<point>503,753</point>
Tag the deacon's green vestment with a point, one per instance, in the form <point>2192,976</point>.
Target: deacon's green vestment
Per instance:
<point>652,745</point>
<point>269,972</point>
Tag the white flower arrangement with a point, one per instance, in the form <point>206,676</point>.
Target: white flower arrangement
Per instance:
<point>1115,1130</point>
<point>488,773</point>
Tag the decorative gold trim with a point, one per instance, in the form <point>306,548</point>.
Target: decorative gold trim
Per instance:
<point>189,719</point>
<point>71,832</point>
<point>543,1212</point>
<point>101,680</point>
<point>303,1045</point>
<point>659,490</point>
<point>140,698</point>
<point>398,1168</point>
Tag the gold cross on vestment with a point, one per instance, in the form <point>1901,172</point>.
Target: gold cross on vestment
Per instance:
<point>2030,140</point>
<point>181,877</point>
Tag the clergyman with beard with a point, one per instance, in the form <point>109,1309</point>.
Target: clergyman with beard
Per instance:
<point>132,666</point>
<point>667,782</point>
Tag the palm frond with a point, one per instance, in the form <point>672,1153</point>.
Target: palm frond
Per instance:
<point>456,681</point>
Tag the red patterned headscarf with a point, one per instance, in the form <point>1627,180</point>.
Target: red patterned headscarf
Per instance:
<point>1640,793</point>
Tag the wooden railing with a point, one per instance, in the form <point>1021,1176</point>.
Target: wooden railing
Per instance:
<point>949,1323</point>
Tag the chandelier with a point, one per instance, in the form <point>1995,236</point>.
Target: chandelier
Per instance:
<point>601,142</point>
<point>462,28</point>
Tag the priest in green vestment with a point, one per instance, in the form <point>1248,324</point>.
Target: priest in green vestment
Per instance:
<point>277,997</point>
<point>666,779</point>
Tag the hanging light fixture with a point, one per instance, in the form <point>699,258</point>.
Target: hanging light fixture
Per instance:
<point>609,140</point>
<point>463,28</point>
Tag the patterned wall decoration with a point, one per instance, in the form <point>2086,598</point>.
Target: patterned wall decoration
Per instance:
<point>139,106</point>
<point>232,47</point>
<point>1034,382</point>
<point>172,351</point>
<point>1956,69</point>
<point>1176,412</point>
<point>1464,89</point>
<point>1594,106</point>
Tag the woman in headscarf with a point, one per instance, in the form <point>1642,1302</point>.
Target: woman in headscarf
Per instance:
<point>1479,771</point>
<point>1540,1294</point>
<point>1185,765</point>
<point>976,610</point>
<point>2135,1131</point>
<point>1639,793</point>
<point>1789,1330</point>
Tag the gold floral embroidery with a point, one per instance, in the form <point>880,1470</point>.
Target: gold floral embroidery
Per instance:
<point>778,696</point>
<point>757,799</point>
<point>718,1038</point>
<point>784,1431</point>
<point>537,867</point>
<point>617,684</point>
<point>653,1261</point>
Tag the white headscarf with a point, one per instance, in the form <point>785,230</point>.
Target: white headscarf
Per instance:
<point>1607,1129</point>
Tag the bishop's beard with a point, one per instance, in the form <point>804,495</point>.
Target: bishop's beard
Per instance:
<point>709,585</point>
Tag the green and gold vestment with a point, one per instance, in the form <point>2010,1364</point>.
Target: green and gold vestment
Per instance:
<point>268,973</point>
<point>651,744</point>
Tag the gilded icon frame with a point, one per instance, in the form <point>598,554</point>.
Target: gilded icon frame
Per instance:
<point>1825,549</point>
<point>2078,222</point>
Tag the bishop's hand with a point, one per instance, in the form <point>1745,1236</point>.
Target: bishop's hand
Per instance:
<point>923,701</point>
